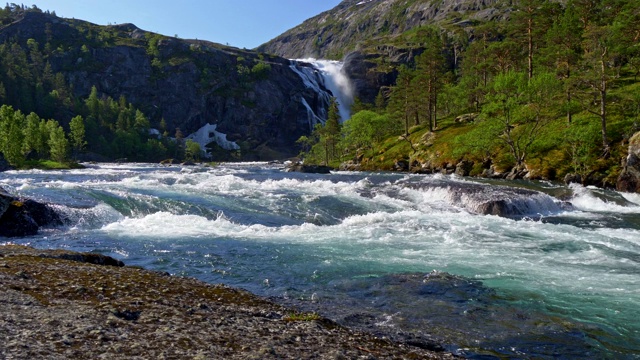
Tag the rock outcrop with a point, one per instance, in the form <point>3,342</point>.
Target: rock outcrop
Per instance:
<point>344,28</point>
<point>308,169</point>
<point>629,179</point>
<point>365,74</point>
<point>24,217</point>
<point>493,200</point>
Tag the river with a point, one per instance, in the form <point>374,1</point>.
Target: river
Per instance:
<point>403,256</point>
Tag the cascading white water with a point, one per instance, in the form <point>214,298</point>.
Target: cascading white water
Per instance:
<point>338,83</point>
<point>326,75</point>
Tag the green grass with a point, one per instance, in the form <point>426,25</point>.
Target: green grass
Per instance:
<point>50,165</point>
<point>302,317</point>
<point>549,158</point>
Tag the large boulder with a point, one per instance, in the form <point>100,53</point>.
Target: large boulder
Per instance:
<point>629,179</point>
<point>308,169</point>
<point>492,200</point>
<point>24,217</point>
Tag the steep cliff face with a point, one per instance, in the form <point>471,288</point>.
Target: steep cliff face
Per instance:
<point>256,99</point>
<point>356,23</point>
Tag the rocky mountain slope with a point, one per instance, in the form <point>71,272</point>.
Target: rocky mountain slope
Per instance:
<point>375,37</point>
<point>354,24</point>
<point>257,100</point>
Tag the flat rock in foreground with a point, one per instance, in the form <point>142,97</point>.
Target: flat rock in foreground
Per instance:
<point>60,305</point>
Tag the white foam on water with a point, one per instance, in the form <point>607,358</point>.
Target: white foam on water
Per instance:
<point>88,218</point>
<point>163,225</point>
<point>550,257</point>
<point>630,236</point>
<point>584,199</point>
<point>631,197</point>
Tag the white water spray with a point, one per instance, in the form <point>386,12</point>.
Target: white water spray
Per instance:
<point>338,83</point>
<point>327,74</point>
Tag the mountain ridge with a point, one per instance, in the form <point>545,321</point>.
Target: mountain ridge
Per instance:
<point>354,23</point>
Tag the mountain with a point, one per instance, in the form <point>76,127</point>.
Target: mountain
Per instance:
<point>355,24</point>
<point>259,101</point>
<point>375,37</point>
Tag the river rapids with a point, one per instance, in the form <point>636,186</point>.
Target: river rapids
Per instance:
<point>414,258</point>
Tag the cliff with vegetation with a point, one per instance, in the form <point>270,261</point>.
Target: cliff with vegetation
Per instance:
<point>529,88</point>
<point>124,81</point>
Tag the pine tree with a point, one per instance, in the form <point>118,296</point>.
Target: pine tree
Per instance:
<point>597,74</point>
<point>77,133</point>
<point>430,69</point>
<point>58,143</point>
<point>402,102</point>
<point>331,131</point>
<point>563,52</point>
<point>31,134</point>
<point>12,124</point>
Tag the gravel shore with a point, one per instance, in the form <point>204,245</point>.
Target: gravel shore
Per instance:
<point>57,304</point>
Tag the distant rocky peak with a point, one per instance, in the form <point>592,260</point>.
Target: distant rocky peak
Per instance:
<point>345,28</point>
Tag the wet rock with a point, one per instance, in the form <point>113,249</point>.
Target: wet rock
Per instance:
<point>464,168</point>
<point>309,169</point>
<point>401,165</point>
<point>629,179</point>
<point>425,168</point>
<point>127,315</point>
<point>17,223</point>
<point>494,200</point>
<point>573,178</point>
<point>492,173</point>
<point>90,258</point>
<point>24,217</point>
<point>350,165</point>
<point>448,168</point>
<point>518,172</point>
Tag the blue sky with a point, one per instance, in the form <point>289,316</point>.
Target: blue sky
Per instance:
<point>240,23</point>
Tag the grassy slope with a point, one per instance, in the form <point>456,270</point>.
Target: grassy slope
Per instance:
<point>550,157</point>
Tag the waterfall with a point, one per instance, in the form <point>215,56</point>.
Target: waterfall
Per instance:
<point>338,83</point>
<point>325,75</point>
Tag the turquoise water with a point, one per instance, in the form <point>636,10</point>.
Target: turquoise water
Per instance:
<point>403,256</point>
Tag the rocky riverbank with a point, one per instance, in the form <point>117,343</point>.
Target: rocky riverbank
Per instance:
<point>62,305</point>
